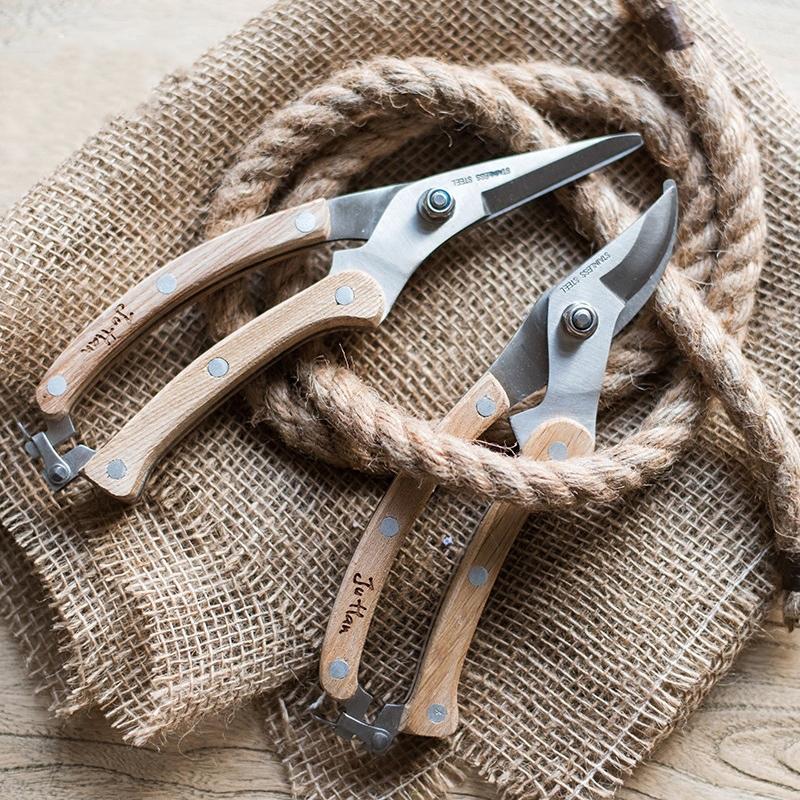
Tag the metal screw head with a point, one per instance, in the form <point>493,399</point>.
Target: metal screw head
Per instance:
<point>116,469</point>
<point>485,406</point>
<point>437,713</point>
<point>557,451</point>
<point>389,526</point>
<point>580,320</point>
<point>305,222</point>
<point>338,669</point>
<point>58,473</point>
<point>218,367</point>
<point>436,205</point>
<point>478,575</point>
<point>344,295</point>
<point>166,283</point>
<point>57,385</point>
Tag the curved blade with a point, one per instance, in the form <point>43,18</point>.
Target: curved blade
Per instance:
<point>635,278</point>
<point>628,268</point>
<point>400,238</point>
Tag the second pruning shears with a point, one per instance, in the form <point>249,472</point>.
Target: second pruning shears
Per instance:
<point>399,226</point>
<point>564,344</point>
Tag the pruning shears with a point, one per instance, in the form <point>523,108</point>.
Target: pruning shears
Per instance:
<point>562,344</point>
<point>397,227</point>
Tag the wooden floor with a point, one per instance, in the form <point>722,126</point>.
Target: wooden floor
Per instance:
<point>744,744</point>
<point>65,66</point>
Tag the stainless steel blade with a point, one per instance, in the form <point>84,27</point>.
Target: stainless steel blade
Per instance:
<point>522,366</point>
<point>635,278</point>
<point>616,281</point>
<point>402,236</point>
<point>558,167</point>
<point>354,216</point>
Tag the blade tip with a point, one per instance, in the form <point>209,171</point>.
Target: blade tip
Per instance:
<point>669,194</point>
<point>632,141</point>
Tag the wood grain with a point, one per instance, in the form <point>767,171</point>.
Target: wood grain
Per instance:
<point>83,759</point>
<point>366,574</point>
<point>189,276</point>
<point>440,669</point>
<point>121,466</point>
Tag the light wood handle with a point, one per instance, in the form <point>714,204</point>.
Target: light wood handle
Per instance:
<point>344,300</point>
<point>432,709</point>
<point>372,561</point>
<point>191,274</point>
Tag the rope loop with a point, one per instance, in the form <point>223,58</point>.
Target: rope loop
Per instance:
<point>365,113</point>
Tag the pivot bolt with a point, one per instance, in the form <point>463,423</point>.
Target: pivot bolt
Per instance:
<point>436,205</point>
<point>580,320</point>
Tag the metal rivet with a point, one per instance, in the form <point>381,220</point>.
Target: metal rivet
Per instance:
<point>437,713</point>
<point>557,451</point>
<point>436,205</point>
<point>58,473</point>
<point>116,469</point>
<point>580,320</point>
<point>478,576</point>
<point>338,669</point>
<point>389,527</point>
<point>166,283</point>
<point>380,740</point>
<point>57,385</point>
<point>344,295</point>
<point>218,367</point>
<point>485,406</point>
<point>305,222</point>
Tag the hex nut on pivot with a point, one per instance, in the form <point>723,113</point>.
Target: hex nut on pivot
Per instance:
<point>436,205</point>
<point>58,473</point>
<point>580,320</point>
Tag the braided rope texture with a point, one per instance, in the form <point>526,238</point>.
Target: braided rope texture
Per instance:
<point>618,610</point>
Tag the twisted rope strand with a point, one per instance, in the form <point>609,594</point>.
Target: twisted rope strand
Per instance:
<point>599,211</point>
<point>371,110</point>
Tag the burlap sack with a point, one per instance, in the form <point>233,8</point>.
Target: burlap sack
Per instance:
<point>609,624</point>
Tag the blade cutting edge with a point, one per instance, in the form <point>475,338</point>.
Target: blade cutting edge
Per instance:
<point>563,165</point>
<point>641,254</point>
<point>400,237</point>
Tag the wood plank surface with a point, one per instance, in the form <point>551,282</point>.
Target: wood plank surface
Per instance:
<point>66,66</point>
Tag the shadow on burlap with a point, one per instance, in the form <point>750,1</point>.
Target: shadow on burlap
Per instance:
<point>607,626</point>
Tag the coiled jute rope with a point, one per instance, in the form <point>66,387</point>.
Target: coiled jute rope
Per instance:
<point>369,111</point>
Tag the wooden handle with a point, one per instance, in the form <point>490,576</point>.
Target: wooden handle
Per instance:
<point>369,567</point>
<point>196,272</point>
<point>432,709</point>
<point>348,299</point>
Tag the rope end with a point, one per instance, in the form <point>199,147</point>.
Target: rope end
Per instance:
<point>790,583</point>
<point>791,610</point>
<point>668,29</point>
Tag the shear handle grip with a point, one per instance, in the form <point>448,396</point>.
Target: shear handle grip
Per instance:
<point>191,274</point>
<point>346,300</point>
<point>375,553</point>
<point>432,709</point>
